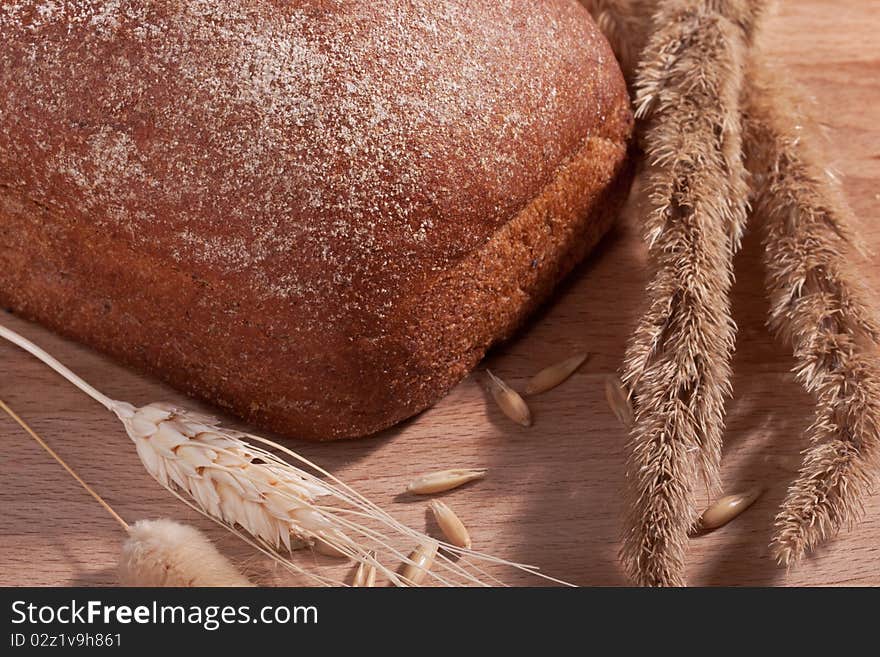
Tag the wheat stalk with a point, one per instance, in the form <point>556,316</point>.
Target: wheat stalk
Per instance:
<point>818,305</point>
<point>273,505</point>
<point>677,364</point>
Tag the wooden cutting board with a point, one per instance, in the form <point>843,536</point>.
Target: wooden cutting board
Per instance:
<point>553,495</point>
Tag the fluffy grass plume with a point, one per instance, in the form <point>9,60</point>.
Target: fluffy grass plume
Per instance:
<point>817,302</point>
<point>168,553</point>
<point>818,306</point>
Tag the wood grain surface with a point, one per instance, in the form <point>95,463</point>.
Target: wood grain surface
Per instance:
<point>553,495</point>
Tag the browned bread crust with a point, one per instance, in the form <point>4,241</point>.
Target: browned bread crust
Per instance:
<point>317,214</point>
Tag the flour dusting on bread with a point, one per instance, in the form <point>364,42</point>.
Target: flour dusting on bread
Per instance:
<point>319,213</point>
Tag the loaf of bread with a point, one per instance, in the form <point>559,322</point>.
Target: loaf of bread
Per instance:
<point>316,213</point>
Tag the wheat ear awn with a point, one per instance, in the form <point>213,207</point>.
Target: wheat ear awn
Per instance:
<point>509,401</point>
<point>552,376</point>
<point>677,363</point>
<point>157,552</point>
<point>273,505</point>
<point>819,306</point>
<point>444,480</point>
<point>727,508</point>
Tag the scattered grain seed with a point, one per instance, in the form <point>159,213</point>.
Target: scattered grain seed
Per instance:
<point>789,463</point>
<point>371,575</point>
<point>728,507</point>
<point>420,561</point>
<point>509,401</point>
<point>552,376</point>
<point>438,482</point>
<point>365,575</point>
<point>618,400</point>
<point>328,549</point>
<point>452,526</point>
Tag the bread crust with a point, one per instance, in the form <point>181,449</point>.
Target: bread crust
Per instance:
<point>324,269</point>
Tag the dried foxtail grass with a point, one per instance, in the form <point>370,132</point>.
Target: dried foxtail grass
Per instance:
<point>677,364</point>
<point>625,23</point>
<point>818,305</point>
<point>157,552</point>
<point>273,505</point>
<point>817,302</point>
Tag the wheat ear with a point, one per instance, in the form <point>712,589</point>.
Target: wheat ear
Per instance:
<point>677,364</point>
<point>273,505</point>
<point>157,552</point>
<point>818,305</point>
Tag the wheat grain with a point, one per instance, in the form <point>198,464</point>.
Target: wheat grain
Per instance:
<point>419,563</point>
<point>328,550</point>
<point>618,401</point>
<point>452,526</point>
<point>509,401</point>
<point>552,376</point>
<point>272,504</point>
<point>365,575</point>
<point>444,480</point>
<point>727,508</point>
<point>370,578</point>
<point>788,463</point>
